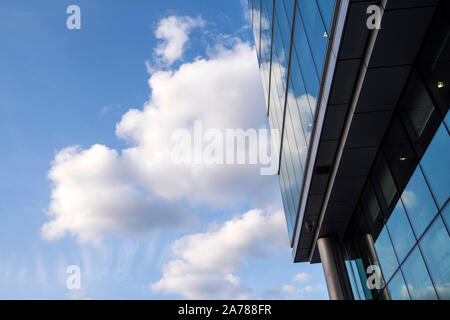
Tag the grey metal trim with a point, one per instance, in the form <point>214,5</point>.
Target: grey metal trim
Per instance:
<point>332,268</point>
<point>348,122</point>
<point>340,15</point>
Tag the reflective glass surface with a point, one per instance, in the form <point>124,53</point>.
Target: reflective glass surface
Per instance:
<point>446,215</point>
<point>435,247</point>
<point>419,203</point>
<point>401,233</point>
<point>397,287</point>
<point>326,10</point>
<point>417,278</point>
<point>386,254</point>
<point>297,49</point>
<point>438,157</point>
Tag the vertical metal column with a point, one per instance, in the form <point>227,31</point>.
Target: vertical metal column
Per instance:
<point>333,268</point>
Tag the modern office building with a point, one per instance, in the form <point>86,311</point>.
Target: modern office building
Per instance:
<point>364,162</point>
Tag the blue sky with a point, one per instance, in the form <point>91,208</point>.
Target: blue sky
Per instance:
<point>79,113</point>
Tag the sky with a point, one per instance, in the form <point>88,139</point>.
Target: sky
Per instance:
<point>86,120</point>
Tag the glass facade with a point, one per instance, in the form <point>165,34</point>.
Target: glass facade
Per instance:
<point>413,246</point>
<point>401,219</point>
<point>291,38</point>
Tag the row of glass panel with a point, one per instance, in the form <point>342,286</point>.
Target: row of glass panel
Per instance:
<point>310,39</point>
<point>404,206</point>
<point>413,247</point>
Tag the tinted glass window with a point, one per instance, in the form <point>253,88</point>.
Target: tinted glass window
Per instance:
<point>436,165</point>
<point>417,279</point>
<point>386,254</point>
<point>401,233</point>
<point>419,203</point>
<point>435,246</point>
<point>397,288</point>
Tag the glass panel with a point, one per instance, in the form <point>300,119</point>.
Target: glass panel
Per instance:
<point>419,203</point>
<point>435,164</point>
<point>384,182</point>
<point>327,10</point>
<point>286,199</point>
<point>417,106</point>
<point>417,278</point>
<point>358,281</point>
<point>300,97</point>
<point>435,246</point>
<point>399,153</point>
<point>365,293</point>
<point>257,27</point>
<point>315,31</point>
<point>351,277</point>
<point>284,31</point>
<point>386,254</point>
<point>397,288</point>
<point>289,9</point>
<point>446,215</point>
<point>401,233</point>
<point>294,152</point>
<point>305,60</point>
<point>370,205</point>
<point>266,43</point>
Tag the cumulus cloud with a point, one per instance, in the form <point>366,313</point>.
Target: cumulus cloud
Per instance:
<point>205,264</point>
<point>302,277</point>
<point>174,33</point>
<point>94,194</point>
<point>100,191</point>
<point>218,91</point>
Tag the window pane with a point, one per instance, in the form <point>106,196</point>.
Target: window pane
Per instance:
<point>417,278</point>
<point>326,9</point>
<point>397,287</point>
<point>351,277</point>
<point>370,205</point>
<point>435,164</point>
<point>419,203</point>
<point>446,215</point>
<point>383,181</point>
<point>417,106</point>
<point>401,233</point>
<point>315,31</point>
<point>305,61</point>
<point>386,255</point>
<point>364,292</point>
<point>257,26</point>
<point>436,251</point>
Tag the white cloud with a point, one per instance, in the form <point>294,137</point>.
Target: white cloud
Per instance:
<point>288,289</point>
<point>101,191</point>
<point>205,263</point>
<point>302,277</point>
<point>94,194</point>
<point>409,198</point>
<point>174,33</point>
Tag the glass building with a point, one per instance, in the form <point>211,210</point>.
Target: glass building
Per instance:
<point>364,165</point>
